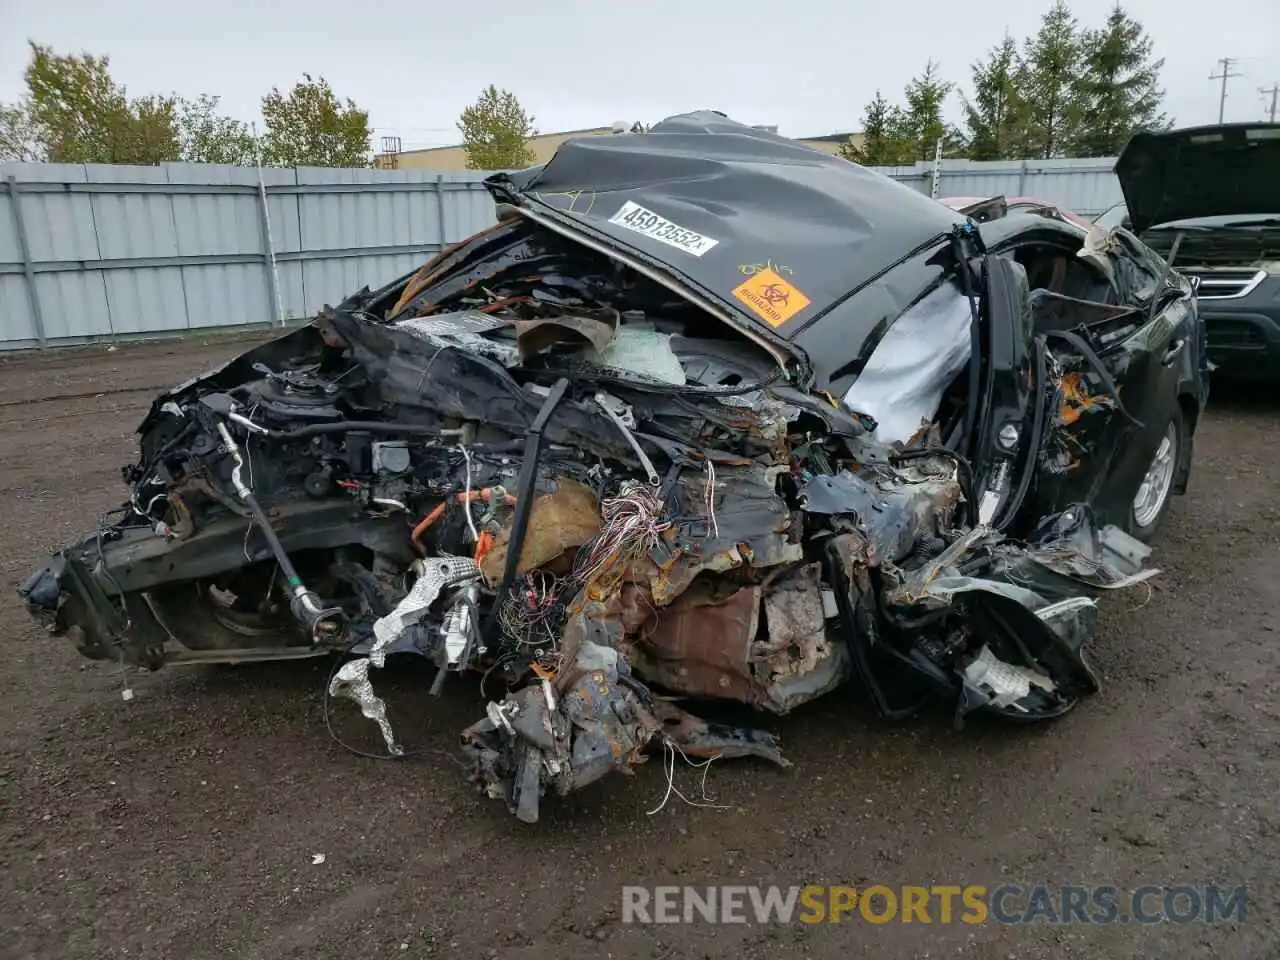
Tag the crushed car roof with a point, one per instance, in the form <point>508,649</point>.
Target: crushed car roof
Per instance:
<point>776,231</point>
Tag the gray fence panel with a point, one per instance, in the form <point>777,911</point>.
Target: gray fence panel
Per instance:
<point>909,175</point>
<point>143,299</point>
<point>135,251</point>
<point>17,324</point>
<point>10,252</point>
<point>215,225</point>
<point>1086,186</point>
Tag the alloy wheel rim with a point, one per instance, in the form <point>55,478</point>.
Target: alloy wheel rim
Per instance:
<point>1158,481</point>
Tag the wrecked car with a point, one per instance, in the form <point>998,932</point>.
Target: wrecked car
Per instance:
<point>1208,200</point>
<point>705,416</point>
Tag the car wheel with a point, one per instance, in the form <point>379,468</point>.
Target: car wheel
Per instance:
<point>1008,715</point>
<point>198,616</point>
<point>1155,492</point>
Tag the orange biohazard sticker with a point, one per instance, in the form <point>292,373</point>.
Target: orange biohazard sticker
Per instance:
<point>774,299</point>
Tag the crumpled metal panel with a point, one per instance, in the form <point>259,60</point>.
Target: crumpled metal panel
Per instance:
<point>533,336</point>
<point>701,644</point>
<point>558,521</point>
<point>352,681</point>
<point>895,514</point>
<point>753,527</point>
<point>797,628</point>
<point>799,660</point>
<point>436,574</point>
<point>709,643</point>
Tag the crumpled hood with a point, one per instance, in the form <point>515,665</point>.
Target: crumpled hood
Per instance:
<point>1201,172</point>
<point>774,231</point>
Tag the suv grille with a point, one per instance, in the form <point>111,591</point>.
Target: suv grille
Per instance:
<point>1225,283</point>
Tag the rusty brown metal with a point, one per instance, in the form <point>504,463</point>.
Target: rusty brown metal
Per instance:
<point>558,521</point>
<point>430,270</point>
<point>701,644</point>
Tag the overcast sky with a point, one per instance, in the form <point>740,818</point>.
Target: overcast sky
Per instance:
<point>808,66</point>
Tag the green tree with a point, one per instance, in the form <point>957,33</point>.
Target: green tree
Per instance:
<point>1049,75</point>
<point>876,147</point>
<point>496,131</point>
<point>1118,92</point>
<point>996,116</point>
<point>82,116</point>
<point>19,136</point>
<point>205,136</point>
<point>308,127</point>
<point>919,126</point>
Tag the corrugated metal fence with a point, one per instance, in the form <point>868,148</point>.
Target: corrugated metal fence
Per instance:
<point>94,251</point>
<point>1087,186</point>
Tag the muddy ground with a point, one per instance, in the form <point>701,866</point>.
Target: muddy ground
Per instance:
<point>187,822</point>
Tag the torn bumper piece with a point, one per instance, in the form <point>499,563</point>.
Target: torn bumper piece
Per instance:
<point>595,719</point>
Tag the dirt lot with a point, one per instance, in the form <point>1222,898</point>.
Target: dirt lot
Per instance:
<point>186,823</point>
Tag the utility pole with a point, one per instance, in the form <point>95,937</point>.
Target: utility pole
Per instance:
<point>1274,90</point>
<point>1224,77</point>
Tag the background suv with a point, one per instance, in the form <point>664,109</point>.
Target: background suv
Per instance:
<point>1218,189</point>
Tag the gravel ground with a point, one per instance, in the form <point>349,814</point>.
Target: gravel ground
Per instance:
<point>187,822</point>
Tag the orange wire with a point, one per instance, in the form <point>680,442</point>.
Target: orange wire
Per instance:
<point>484,545</point>
<point>486,495</point>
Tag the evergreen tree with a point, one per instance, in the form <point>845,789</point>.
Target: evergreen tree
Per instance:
<point>1049,77</point>
<point>876,146</point>
<point>1118,91</point>
<point>921,125</point>
<point>996,116</point>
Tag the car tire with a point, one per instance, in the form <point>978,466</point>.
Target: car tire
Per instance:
<point>1150,504</point>
<point>1022,719</point>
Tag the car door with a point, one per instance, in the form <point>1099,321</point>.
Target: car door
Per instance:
<point>1121,368</point>
<point>1150,367</point>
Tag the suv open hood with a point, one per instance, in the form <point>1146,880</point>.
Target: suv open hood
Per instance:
<point>1200,172</point>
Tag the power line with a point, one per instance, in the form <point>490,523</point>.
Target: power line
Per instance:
<point>1224,77</point>
<point>1274,90</point>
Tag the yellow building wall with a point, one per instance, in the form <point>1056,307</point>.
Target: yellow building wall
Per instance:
<point>832,147</point>
<point>454,159</point>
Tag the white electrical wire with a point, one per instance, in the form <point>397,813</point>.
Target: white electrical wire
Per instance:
<point>711,499</point>
<point>633,525</point>
<point>466,503</point>
<point>669,751</point>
